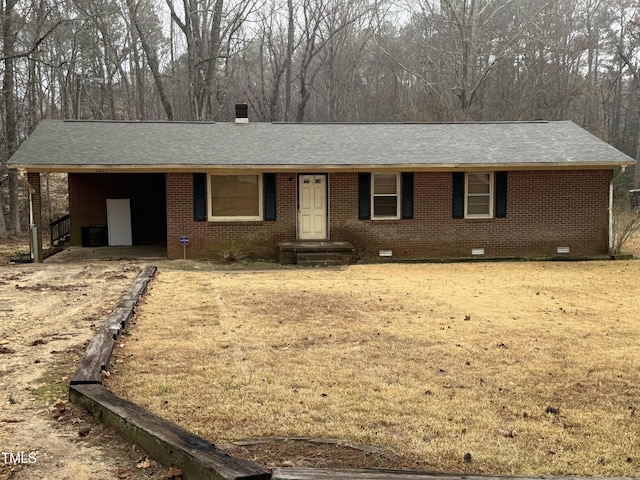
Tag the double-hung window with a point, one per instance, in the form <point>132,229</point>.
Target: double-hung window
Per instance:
<point>478,201</point>
<point>235,197</point>
<point>385,202</point>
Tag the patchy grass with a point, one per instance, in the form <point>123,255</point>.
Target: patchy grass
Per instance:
<point>532,368</point>
<point>14,247</point>
<point>213,265</point>
<point>53,384</point>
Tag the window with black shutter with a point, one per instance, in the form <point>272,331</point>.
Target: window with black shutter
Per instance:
<point>269,196</point>
<point>458,195</point>
<point>501,194</point>
<point>200,197</point>
<point>479,194</point>
<point>364,196</point>
<point>407,195</point>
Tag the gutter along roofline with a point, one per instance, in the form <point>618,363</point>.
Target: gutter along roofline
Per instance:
<point>315,168</point>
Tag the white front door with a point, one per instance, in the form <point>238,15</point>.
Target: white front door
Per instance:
<point>312,210</point>
<point>119,221</point>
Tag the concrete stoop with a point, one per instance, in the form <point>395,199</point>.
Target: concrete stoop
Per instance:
<point>316,253</point>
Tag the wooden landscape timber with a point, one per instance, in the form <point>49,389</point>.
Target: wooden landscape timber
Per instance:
<point>375,474</point>
<point>162,440</point>
<point>98,353</point>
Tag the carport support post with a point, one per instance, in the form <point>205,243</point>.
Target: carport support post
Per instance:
<point>35,204</point>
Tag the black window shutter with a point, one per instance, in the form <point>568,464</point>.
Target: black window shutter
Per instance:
<point>364,196</point>
<point>501,194</point>
<point>407,195</point>
<point>200,197</point>
<point>458,195</point>
<point>269,187</point>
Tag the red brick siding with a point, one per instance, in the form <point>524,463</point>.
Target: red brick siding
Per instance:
<point>545,210</point>
<point>206,239</point>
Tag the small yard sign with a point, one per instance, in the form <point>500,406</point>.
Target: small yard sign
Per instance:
<point>184,241</point>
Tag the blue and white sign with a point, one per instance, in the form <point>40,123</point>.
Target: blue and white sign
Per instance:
<point>184,241</point>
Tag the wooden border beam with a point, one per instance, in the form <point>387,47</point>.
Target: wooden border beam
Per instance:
<point>162,440</point>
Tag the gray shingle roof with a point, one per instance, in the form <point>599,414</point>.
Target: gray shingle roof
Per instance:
<point>164,146</point>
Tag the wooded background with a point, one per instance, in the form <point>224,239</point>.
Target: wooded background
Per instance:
<point>318,61</point>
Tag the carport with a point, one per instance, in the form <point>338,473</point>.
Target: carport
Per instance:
<point>108,209</point>
<point>117,209</point>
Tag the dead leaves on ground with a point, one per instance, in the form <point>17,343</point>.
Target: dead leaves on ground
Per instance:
<point>144,462</point>
<point>505,433</point>
<point>174,473</point>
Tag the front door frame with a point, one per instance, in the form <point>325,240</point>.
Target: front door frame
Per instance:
<point>326,206</point>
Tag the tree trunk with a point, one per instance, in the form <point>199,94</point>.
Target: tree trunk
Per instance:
<point>289,60</point>
<point>152,61</point>
<point>636,172</point>
<point>10,130</point>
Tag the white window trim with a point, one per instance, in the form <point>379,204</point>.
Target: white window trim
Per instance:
<point>467,194</point>
<point>397,195</point>
<point>259,217</point>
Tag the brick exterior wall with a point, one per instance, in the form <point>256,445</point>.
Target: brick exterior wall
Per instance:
<point>545,210</point>
<point>208,239</point>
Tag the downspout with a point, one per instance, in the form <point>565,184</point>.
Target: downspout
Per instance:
<point>33,230</point>
<point>622,169</point>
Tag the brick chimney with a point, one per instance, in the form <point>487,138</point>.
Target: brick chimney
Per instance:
<point>242,112</point>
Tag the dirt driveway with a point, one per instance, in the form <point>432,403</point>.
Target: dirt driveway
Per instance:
<point>48,313</point>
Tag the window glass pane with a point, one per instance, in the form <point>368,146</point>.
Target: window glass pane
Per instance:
<point>235,196</point>
<point>478,205</point>
<point>384,183</point>
<point>385,206</point>
<point>478,183</point>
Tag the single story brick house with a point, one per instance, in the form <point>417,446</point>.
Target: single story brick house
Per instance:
<point>445,190</point>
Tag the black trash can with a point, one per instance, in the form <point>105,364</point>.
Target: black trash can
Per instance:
<point>95,236</point>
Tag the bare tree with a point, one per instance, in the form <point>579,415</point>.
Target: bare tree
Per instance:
<point>208,27</point>
<point>150,52</point>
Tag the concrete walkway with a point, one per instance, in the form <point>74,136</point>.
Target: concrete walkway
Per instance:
<point>89,254</point>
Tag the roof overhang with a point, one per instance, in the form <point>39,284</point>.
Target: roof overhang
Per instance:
<point>311,168</point>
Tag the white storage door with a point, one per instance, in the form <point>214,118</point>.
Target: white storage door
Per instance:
<point>119,221</point>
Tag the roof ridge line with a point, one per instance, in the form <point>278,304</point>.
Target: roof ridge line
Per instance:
<point>496,122</point>
<point>186,122</point>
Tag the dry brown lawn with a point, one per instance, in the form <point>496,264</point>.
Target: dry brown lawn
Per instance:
<point>532,368</point>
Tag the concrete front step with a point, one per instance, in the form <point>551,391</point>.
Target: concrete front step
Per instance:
<point>319,259</point>
<point>316,253</point>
